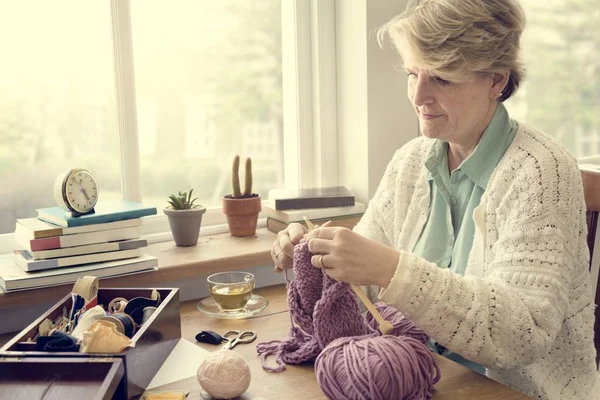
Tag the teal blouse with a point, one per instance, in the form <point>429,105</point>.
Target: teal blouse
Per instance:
<point>447,237</point>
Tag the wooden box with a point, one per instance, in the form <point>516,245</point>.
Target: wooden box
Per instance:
<point>62,378</point>
<point>153,341</point>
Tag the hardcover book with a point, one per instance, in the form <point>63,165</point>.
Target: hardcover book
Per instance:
<point>35,228</point>
<point>26,262</point>
<point>290,216</point>
<point>14,278</point>
<point>335,196</point>
<point>89,249</point>
<point>78,239</point>
<point>108,211</point>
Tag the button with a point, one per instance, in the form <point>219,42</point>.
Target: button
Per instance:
<point>450,241</point>
<point>453,200</point>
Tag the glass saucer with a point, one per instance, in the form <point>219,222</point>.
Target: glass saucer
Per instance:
<point>255,305</point>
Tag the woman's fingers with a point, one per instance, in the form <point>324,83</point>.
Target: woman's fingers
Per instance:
<point>295,232</point>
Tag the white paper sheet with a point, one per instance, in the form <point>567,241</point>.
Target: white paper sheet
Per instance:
<point>182,363</point>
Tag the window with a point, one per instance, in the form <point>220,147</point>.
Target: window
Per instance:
<point>57,108</point>
<point>561,92</point>
<point>208,85</point>
<point>155,97</point>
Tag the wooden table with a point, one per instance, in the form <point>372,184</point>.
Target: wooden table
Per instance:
<point>298,382</point>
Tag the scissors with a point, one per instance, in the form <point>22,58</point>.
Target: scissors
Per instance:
<point>234,337</point>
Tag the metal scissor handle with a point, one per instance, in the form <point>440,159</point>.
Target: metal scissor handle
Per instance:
<point>234,337</point>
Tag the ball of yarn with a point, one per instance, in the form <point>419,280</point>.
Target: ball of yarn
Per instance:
<point>377,368</point>
<point>224,374</point>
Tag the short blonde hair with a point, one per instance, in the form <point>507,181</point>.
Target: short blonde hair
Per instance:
<point>454,38</point>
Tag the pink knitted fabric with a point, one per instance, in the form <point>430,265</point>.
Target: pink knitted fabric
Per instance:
<point>324,310</point>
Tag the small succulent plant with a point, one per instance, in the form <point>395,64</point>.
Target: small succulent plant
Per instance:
<point>183,201</point>
<point>235,178</point>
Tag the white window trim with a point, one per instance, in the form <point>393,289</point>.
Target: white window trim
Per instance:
<point>126,99</point>
<point>309,93</point>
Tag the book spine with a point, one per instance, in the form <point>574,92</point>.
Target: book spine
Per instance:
<point>59,242</point>
<point>37,265</point>
<point>126,223</point>
<point>99,237</point>
<point>113,217</point>
<point>70,274</point>
<point>44,243</point>
<point>313,202</point>
<point>89,249</point>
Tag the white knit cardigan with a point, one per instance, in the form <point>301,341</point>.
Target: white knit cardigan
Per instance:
<point>524,308</point>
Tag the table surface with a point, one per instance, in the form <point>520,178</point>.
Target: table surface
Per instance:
<point>457,382</point>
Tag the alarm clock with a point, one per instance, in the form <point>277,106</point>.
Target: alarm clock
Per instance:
<point>76,191</point>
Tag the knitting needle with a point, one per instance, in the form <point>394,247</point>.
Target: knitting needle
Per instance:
<point>384,326</point>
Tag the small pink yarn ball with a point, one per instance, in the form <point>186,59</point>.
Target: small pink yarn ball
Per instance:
<point>224,374</point>
<point>377,368</point>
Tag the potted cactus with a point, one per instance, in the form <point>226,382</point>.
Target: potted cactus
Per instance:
<point>242,208</point>
<point>185,218</point>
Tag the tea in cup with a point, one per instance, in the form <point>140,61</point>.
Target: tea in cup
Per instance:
<point>231,290</point>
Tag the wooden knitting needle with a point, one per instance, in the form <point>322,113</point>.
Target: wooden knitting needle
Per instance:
<point>384,326</point>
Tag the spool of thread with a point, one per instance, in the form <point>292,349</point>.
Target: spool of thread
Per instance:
<point>147,313</point>
<point>86,287</point>
<point>117,304</point>
<point>128,324</point>
<point>135,308</point>
<point>377,368</point>
<point>116,322</point>
<point>224,374</point>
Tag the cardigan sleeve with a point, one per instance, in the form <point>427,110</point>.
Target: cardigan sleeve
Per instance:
<point>370,225</point>
<point>532,246</point>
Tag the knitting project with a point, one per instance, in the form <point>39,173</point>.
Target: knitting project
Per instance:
<point>321,311</point>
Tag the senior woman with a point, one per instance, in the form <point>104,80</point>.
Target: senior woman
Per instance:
<point>477,230</point>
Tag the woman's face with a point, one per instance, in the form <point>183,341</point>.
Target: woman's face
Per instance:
<point>454,112</point>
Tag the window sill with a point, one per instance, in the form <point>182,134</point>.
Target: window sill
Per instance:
<point>213,253</point>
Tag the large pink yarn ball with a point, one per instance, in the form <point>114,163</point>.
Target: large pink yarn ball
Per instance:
<point>377,368</point>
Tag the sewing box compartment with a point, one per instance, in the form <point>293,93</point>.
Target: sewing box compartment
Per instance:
<point>62,378</point>
<point>152,342</point>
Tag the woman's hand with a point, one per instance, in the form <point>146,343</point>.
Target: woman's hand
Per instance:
<point>282,251</point>
<point>349,257</point>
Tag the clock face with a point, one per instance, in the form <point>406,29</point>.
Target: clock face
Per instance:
<point>80,190</point>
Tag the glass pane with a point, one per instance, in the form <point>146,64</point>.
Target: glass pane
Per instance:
<point>208,83</point>
<point>561,93</point>
<point>56,102</point>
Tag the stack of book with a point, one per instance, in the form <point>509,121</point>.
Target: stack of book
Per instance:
<point>319,205</point>
<point>58,249</point>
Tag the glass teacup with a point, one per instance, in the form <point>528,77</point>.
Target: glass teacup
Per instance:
<point>231,290</point>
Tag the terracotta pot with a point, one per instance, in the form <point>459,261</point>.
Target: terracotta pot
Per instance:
<point>242,214</point>
<point>185,225</point>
